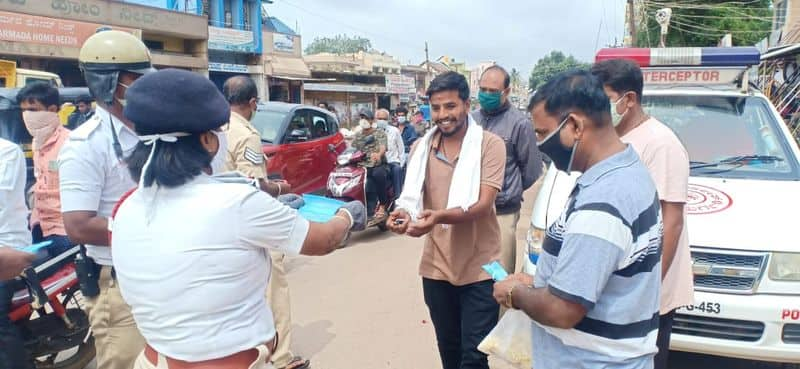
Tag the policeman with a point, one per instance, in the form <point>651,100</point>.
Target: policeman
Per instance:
<point>244,141</point>
<point>191,249</point>
<point>246,157</point>
<point>93,177</point>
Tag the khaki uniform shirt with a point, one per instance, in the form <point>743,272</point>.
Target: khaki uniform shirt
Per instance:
<point>244,148</point>
<point>456,252</point>
<point>360,142</point>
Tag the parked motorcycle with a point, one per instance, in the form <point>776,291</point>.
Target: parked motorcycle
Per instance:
<point>348,182</point>
<point>47,312</point>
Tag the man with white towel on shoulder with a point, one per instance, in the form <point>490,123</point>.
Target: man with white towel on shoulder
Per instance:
<point>462,227</point>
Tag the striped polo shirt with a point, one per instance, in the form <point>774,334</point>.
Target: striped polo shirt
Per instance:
<point>604,253</point>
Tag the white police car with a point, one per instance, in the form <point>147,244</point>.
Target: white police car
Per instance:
<point>744,190</point>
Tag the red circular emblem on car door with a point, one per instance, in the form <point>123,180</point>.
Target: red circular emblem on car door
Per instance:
<point>706,200</point>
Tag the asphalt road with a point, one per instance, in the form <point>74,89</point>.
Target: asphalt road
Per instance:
<point>362,307</point>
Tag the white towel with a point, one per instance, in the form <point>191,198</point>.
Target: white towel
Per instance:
<point>465,185</point>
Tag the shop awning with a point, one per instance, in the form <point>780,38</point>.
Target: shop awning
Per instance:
<point>287,67</point>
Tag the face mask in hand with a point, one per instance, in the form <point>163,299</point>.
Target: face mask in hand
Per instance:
<point>221,156</point>
<point>561,155</point>
<point>41,125</point>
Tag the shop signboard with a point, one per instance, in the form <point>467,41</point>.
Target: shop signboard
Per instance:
<point>330,87</point>
<point>283,43</point>
<point>226,67</point>
<point>229,39</point>
<point>31,29</point>
<point>400,84</point>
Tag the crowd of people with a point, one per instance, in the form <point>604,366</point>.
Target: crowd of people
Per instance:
<point>195,277</point>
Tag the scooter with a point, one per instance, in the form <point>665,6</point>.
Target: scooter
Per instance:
<point>348,182</point>
<point>47,312</point>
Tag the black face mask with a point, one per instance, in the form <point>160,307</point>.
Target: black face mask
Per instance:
<point>561,155</point>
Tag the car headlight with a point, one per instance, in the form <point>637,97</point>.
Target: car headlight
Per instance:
<point>535,237</point>
<point>784,266</point>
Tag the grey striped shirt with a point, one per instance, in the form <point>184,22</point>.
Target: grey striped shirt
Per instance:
<point>604,253</point>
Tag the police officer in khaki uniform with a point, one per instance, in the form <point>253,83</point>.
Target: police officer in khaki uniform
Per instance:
<point>93,176</point>
<point>246,157</point>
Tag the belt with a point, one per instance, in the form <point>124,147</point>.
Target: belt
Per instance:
<point>239,360</point>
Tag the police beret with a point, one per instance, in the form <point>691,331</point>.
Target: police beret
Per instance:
<point>173,100</point>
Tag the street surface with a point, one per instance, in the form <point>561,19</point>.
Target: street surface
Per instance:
<point>362,308</point>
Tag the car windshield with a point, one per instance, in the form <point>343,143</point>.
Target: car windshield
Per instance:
<point>727,136</point>
<point>268,124</point>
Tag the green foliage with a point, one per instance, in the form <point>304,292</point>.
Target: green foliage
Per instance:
<point>704,23</point>
<point>552,64</point>
<point>339,44</point>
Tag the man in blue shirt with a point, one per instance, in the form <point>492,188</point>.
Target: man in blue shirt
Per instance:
<point>595,297</point>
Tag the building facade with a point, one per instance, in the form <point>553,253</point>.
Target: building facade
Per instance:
<point>354,82</point>
<point>284,68</point>
<point>47,34</point>
<point>234,41</point>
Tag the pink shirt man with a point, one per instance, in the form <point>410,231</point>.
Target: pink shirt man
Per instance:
<point>668,163</point>
<point>47,201</point>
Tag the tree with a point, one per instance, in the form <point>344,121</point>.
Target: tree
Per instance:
<point>704,23</point>
<point>339,44</point>
<point>552,64</point>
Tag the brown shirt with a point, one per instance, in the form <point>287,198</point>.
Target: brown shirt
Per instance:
<point>455,253</point>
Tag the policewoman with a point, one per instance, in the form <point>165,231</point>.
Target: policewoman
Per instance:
<point>190,250</point>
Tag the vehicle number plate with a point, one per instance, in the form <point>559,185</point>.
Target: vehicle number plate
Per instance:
<point>705,307</point>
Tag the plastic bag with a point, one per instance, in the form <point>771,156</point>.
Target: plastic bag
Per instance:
<point>510,340</point>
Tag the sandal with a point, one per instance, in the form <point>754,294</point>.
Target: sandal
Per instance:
<point>298,362</point>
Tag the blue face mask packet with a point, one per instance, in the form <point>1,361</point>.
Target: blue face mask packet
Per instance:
<point>496,271</point>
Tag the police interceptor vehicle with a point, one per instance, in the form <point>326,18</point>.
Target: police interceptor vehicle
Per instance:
<point>743,194</point>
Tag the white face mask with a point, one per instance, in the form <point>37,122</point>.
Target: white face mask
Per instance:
<point>364,124</point>
<point>221,156</point>
<point>616,118</point>
<point>382,123</point>
<point>401,120</point>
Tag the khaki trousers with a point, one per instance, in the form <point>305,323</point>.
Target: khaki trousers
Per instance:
<point>259,363</point>
<point>278,299</point>
<point>116,336</point>
<point>508,241</point>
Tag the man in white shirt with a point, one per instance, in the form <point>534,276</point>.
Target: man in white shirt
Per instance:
<point>394,150</point>
<point>93,177</point>
<point>13,234</point>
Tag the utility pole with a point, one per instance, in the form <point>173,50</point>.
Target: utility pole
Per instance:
<point>632,22</point>
<point>427,64</point>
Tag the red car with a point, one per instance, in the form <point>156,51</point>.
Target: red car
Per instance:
<point>301,143</point>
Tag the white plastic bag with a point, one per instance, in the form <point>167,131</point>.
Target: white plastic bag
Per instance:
<point>510,340</point>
